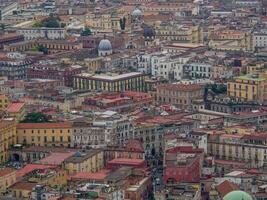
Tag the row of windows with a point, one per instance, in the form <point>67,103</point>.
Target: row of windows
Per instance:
<point>44,131</point>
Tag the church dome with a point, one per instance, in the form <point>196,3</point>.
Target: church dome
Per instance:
<point>104,45</point>
<point>149,32</point>
<point>137,13</point>
<point>237,195</point>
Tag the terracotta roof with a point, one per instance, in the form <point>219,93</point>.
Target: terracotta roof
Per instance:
<point>180,86</point>
<point>126,161</point>
<point>101,175</point>
<point>56,158</point>
<point>15,107</point>
<point>134,145</point>
<point>6,171</point>
<point>23,186</point>
<point>225,187</point>
<point>44,125</point>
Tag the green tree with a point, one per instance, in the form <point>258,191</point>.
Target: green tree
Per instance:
<point>35,118</point>
<point>87,31</point>
<point>123,23</point>
<point>43,49</point>
<point>2,27</point>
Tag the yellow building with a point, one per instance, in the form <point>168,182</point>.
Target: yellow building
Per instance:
<point>254,67</point>
<point>4,102</point>
<point>7,138</point>
<point>45,134</point>
<point>249,87</point>
<point>180,34</point>
<point>51,178</point>
<point>224,39</point>
<point>22,190</point>
<point>133,81</point>
<point>93,64</point>
<point>7,178</point>
<point>105,22</point>
<point>89,161</point>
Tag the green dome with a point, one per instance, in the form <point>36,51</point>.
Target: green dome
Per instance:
<point>237,195</point>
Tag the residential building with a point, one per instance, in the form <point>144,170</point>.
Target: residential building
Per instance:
<point>182,164</point>
<point>53,46</point>
<point>22,190</point>
<point>260,39</point>
<point>168,66</point>
<point>251,87</point>
<point>14,65</point>
<point>234,40</point>
<point>4,102</point>
<point>140,190</point>
<point>103,22</point>
<point>56,134</point>
<point>7,138</point>
<point>44,33</point>
<point>179,33</point>
<point>249,149</point>
<point>7,178</point>
<point>198,69</point>
<point>10,38</point>
<point>181,95</point>
<point>133,81</point>
<point>253,117</point>
<point>7,9</point>
<point>48,69</point>
<point>85,161</point>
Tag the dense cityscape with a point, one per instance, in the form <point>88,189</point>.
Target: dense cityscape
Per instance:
<point>133,99</point>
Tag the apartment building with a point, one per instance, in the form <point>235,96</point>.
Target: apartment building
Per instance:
<point>56,134</point>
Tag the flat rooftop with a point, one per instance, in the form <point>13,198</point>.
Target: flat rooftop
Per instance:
<point>110,77</point>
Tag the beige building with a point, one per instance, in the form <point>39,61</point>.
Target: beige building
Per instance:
<point>180,33</point>
<point>105,22</point>
<point>251,87</point>
<point>7,178</point>
<point>88,161</point>
<point>250,148</point>
<point>181,95</point>
<point>7,138</point>
<point>225,39</point>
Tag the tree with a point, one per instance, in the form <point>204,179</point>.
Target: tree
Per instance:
<point>122,23</point>
<point>43,49</point>
<point>2,27</point>
<point>35,118</point>
<point>87,31</point>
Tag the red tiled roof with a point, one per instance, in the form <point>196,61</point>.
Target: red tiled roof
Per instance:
<point>101,175</point>
<point>135,145</point>
<point>15,107</point>
<point>225,187</point>
<point>23,186</point>
<point>180,86</point>
<point>6,171</point>
<point>31,167</point>
<point>44,125</point>
<point>56,158</point>
<point>126,161</point>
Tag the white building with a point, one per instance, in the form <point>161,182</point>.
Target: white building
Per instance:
<point>46,33</point>
<point>260,39</point>
<point>198,69</point>
<point>6,9</point>
<point>168,66</point>
<point>144,63</point>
